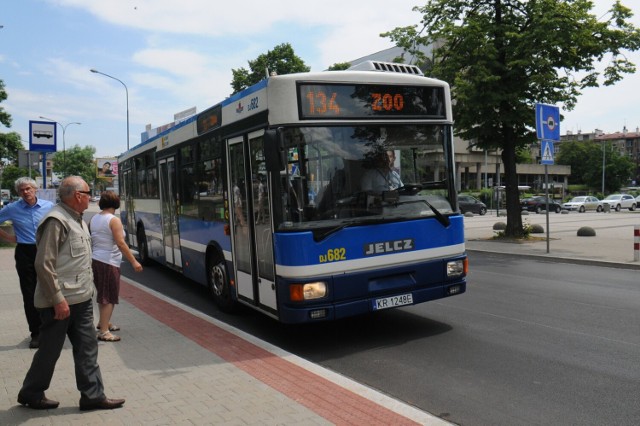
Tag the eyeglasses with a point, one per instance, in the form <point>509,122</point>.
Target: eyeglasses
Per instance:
<point>85,192</point>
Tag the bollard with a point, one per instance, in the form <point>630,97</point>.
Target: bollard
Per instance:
<point>636,243</point>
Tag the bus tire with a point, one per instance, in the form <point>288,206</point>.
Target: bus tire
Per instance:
<point>219,285</point>
<point>143,248</point>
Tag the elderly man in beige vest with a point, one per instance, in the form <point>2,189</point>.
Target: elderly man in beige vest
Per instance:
<point>63,299</point>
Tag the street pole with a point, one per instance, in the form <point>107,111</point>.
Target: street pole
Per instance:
<point>603,167</point>
<point>126,89</point>
<point>64,145</point>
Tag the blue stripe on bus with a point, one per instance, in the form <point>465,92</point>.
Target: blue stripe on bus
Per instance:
<point>201,232</point>
<point>360,242</point>
<point>246,92</point>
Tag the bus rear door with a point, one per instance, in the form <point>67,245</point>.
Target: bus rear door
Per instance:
<point>169,206</point>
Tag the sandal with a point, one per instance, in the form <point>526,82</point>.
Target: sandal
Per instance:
<point>112,327</point>
<point>108,337</point>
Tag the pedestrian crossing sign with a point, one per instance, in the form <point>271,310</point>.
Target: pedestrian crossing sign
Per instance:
<point>546,149</point>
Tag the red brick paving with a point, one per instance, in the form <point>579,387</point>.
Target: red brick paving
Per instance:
<point>330,401</point>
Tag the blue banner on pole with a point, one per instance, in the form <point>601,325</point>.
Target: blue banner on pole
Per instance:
<point>548,122</point>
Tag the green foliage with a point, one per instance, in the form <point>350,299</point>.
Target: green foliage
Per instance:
<point>281,60</point>
<point>5,117</point>
<point>10,144</point>
<point>339,66</point>
<point>79,162</point>
<point>502,57</point>
<point>11,173</point>
<point>585,159</point>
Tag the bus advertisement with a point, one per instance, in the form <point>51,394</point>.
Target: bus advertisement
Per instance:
<point>309,197</point>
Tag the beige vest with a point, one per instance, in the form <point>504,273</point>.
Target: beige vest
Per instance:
<point>73,265</point>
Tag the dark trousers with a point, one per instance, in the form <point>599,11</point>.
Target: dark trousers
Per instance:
<point>82,335</point>
<point>25,256</point>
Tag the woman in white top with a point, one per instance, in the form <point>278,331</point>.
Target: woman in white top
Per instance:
<point>108,244</point>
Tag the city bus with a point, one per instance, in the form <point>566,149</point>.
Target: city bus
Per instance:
<point>262,197</point>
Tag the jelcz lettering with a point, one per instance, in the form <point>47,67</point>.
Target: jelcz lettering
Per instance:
<point>384,247</point>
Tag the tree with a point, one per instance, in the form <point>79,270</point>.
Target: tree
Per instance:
<point>11,173</point>
<point>79,163</point>
<point>10,144</point>
<point>503,56</point>
<point>5,117</point>
<point>281,60</point>
<point>585,159</point>
<point>339,66</point>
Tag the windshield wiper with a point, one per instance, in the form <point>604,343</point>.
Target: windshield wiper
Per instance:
<point>319,235</point>
<point>444,220</point>
<point>434,184</point>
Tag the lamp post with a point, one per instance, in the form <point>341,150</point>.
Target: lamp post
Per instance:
<point>127,94</point>
<point>604,162</point>
<point>64,146</point>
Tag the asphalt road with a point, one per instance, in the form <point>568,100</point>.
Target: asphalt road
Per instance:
<point>531,342</point>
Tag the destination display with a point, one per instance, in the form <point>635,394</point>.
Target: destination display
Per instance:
<point>349,101</point>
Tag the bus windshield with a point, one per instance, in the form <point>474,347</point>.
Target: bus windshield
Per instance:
<point>349,175</point>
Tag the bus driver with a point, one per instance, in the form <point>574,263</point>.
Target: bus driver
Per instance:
<point>382,176</point>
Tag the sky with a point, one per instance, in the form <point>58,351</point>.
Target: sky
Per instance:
<point>175,55</point>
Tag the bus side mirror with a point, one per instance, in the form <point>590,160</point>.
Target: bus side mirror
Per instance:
<point>274,154</point>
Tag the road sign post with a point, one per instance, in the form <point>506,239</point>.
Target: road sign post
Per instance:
<point>547,130</point>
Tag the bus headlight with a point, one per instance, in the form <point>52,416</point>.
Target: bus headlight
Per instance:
<point>308,291</point>
<point>456,268</point>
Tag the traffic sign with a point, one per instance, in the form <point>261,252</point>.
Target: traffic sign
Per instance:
<point>548,122</point>
<point>42,136</point>
<point>546,149</point>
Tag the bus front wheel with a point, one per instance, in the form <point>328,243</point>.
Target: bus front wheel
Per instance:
<point>219,285</point>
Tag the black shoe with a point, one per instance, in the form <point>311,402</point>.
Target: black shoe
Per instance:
<point>34,343</point>
<point>43,404</point>
<point>104,404</point>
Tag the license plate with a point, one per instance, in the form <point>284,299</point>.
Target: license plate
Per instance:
<point>393,301</point>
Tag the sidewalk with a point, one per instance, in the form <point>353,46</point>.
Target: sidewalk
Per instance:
<point>613,244</point>
<point>177,366</point>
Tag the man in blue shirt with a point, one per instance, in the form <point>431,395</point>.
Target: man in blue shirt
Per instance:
<point>25,215</point>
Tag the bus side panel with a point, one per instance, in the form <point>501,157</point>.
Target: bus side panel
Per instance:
<point>195,235</point>
<point>153,230</point>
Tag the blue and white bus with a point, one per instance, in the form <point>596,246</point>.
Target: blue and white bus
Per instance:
<point>266,197</point>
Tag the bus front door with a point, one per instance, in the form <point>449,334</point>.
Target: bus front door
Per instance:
<point>251,225</point>
<point>169,206</point>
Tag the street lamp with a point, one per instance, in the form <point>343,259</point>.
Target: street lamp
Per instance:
<point>603,168</point>
<point>64,146</point>
<point>126,92</point>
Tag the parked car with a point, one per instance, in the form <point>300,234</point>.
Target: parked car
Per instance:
<point>539,203</point>
<point>95,198</point>
<point>4,201</point>
<point>471,204</point>
<point>618,202</point>
<point>582,204</point>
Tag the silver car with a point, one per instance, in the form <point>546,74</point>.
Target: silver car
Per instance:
<point>583,203</point>
<point>620,201</point>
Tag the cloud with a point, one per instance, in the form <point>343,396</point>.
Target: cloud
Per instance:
<point>246,17</point>
<point>343,30</point>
